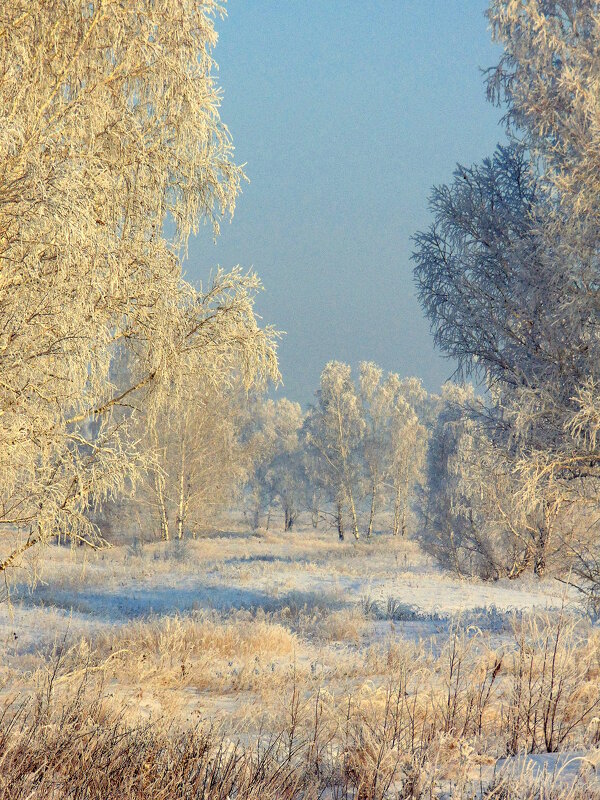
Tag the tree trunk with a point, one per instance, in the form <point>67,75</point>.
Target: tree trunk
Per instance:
<point>539,562</point>
<point>181,500</point>
<point>256,522</point>
<point>542,541</point>
<point>397,512</point>
<point>353,512</point>
<point>315,511</point>
<point>340,520</point>
<point>345,475</point>
<point>159,488</point>
<point>289,518</point>
<point>372,510</point>
<point>162,509</point>
<point>400,501</point>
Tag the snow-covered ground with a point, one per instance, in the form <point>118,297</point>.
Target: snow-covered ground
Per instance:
<point>225,628</point>
<point>83,591</point>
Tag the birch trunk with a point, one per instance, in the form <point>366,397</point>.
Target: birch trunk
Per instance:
<point>181,499</point>
<point>162,509</point>
<point>354,517</point>
<point>400,502</point>
<point>340,520</point>
<point>372,510</point>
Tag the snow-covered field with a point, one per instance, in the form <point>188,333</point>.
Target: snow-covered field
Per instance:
<point>229,628</point>
<point>83,591</point>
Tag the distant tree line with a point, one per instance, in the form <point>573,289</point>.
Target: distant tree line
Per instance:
<point>356,452</point>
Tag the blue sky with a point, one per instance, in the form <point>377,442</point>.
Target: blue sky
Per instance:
<point>345,114</point>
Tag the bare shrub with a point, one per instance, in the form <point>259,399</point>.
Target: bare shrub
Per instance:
<point>553,685</point>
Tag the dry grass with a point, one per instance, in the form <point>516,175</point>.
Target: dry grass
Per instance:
<point>432,729</point>
<point>331,694</point>
<point>347,625</point>
<point>395,719</point>
<point>184,637</point>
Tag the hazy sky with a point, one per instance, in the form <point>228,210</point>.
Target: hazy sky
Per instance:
<point>345,113</point>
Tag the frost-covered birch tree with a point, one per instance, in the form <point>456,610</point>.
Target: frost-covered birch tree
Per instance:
<point>198,461</point>
<point>335,429</point>
<point>112,153</point>
<point>393,441</point>
<point>272,445</point>
<point>508,272</point>
<point>375,407</point>
<point>407,445</point>
<point>489,281</point>
<point>285,475</point>
<point>473,519</point>
<point>547,79</point>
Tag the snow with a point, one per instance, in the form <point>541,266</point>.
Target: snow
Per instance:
<point>559,768</point>
<point>82,592</point>
<point>340,604</point>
